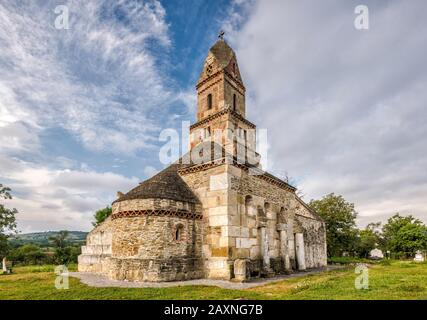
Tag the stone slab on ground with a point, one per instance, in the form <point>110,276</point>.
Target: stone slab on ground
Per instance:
<point>99,280</point>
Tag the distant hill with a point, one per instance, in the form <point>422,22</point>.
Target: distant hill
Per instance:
<point>42,238</point>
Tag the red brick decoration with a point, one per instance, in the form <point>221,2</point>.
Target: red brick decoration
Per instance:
<point>219,114</point>
<point>157,212</point>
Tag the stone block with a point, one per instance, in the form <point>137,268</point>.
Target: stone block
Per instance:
<point>236,172</point>
<point>245,243</point>
<point>218,220</point>
<point>224,242</point>
<point>251,222</point>
<point>234,220</point>
<point>254,232</point>
<point>244,232</point>
<point>219,252</point>
<point>216,211</point>
<point>212,202</point>
<point>230,231</point>
<point>219,182</point>
<point>206,250</point>
<point>241,270</point>
<point>255,252</point>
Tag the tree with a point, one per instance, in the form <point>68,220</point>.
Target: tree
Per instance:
<point>101,215</point>
<point>60,240</point>
<point>340,220</point>
<point>7,220</point>
<point>369,238</point>
<point>404,235</point>
<point>62,252</point>
<point>28,254</point>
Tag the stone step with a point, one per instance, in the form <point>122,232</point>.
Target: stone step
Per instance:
<point>96,249</point>
<point>91,258</point>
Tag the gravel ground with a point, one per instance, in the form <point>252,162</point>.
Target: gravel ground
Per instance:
<point>98,280</point>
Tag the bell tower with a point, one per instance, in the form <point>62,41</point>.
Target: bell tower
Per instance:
<point>221,105</point>
<point>220,84</point>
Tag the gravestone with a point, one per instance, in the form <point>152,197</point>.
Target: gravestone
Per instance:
<point>376,254</point>
<point>4,265</point>
<point>419,257</point>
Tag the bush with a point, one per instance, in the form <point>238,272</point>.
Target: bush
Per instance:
<point>348,260</point>
<point>66,255</point>
<point>28,254</point>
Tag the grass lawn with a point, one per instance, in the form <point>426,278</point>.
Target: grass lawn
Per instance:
<point>395,280</point>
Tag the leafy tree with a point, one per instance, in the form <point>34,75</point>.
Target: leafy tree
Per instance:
<point>60,240</point>
<point>369,238</point>
<point>64,253</point>
<point>404,235</point>
<point>7,220</point>
<point>101,215</point>
<point>340,220</point>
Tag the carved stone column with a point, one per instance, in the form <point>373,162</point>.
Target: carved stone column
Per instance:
<point>300,253</point>
<point>284,251</point>
<point>264,248</point>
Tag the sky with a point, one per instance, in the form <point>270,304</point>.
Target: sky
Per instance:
<point>81,109</point>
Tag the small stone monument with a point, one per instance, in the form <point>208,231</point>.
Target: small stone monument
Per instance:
<point>419,257</point>
<point>376,254</point>
<point>241,273</point>
<point>4,267</point>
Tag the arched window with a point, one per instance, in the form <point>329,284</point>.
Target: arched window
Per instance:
<point>209,101</point>
<point>266,206</point>
<point>234,102</point>
<point>207,132</point>
<point>260,213</point>
<point>179,232</point>
<point>248,204</point>
<point>282,215</point>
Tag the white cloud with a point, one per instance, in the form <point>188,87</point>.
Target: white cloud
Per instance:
<point>150,171</point>
<point>60,199</point>
<point>345,109</point>
<point>99,79</point>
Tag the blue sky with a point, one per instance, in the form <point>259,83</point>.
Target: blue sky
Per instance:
<point>81,109</point>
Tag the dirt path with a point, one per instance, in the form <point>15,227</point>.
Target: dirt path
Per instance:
<point>98,280</point>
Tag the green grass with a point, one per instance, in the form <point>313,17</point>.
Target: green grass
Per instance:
<point>351,260</point>
<point>398,280</point>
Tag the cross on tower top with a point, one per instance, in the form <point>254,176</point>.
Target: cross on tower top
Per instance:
<point>221,35</point>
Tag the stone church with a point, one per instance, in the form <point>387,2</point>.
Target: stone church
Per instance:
<point>214,213</point>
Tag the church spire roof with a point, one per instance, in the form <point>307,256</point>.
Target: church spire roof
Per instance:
<point>222,52</point>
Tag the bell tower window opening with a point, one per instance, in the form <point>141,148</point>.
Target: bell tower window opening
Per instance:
<point>209,101</point>
<point>234,102</point>
<point>207,133</point>
<point>179,232</point>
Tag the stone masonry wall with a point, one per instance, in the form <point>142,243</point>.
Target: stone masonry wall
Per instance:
<point>153,247</point>
<point>96,252</point>
<point>212,189</point>
<point>277,210</point>
<point>261,232</point>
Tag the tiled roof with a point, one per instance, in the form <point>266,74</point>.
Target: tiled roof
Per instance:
<point>167,184</point>
<point>222,52</point>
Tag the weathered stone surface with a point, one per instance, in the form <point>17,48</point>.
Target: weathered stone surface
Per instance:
<point>241,270</point>
<point>220,217</point>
